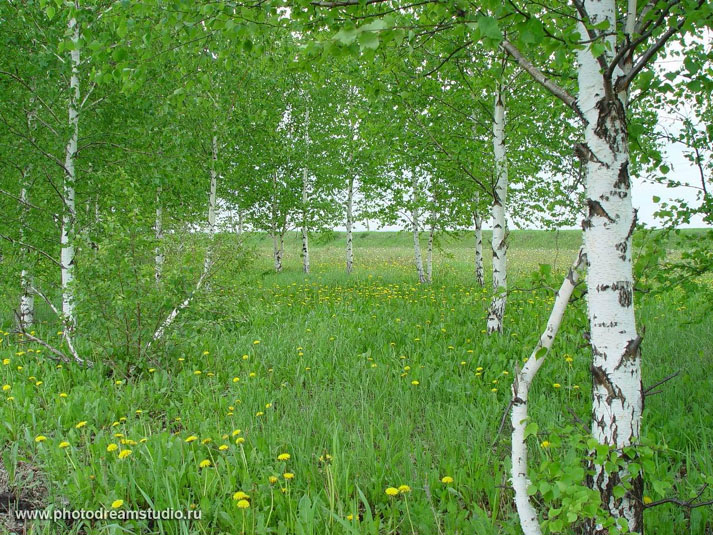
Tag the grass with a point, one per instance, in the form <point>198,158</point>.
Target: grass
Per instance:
<point>367,381</point>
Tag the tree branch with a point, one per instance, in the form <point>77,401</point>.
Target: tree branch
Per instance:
<point>540,77</point>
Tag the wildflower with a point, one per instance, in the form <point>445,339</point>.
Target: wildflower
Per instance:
<point>545,444</point>
<point>81,424</point>
<point>350,517</point>
<point>236,432</point>
<point>243,504</point>
<point>206,352</point>
<point>191,438</point>
<point>240,495</point>
<point>236,379</point>
<point>116,504</point>
<point>556,385</point>
<point>112,447</point>
<point>283,457</point>
<point>64,444</point>
<point>223,447</point>
<point>5,362</point>
<point>206,440</point>
<point>123,454</point>
<point>256,342</point>
<point>259,413</point>
<point>40,438</point>
<point>392,491</point>
<point>288,475</point>
<point>415,383</point>
<point>272,480</point>
<point>205,463</point>
<point>647,500</point>
<point>403,489</point>
<point>246,357</point>
<point>197,372</point>
<point>239,440</point>
<point>5,388</point>
<point>151,370</point>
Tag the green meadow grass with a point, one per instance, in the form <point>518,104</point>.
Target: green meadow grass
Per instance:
<point>367,381</point>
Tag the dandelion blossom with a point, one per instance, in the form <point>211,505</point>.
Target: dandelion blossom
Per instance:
<point>403,489</point>
<point>288,475</point>
<point>40,438</point>
<point>112,447</point>
<point>243,504</point>
<point>392,491</point>
<point>64,444</point>
<point>205,463</point>
<point>116,504</point>
<point>123,454</point>
<point>446,480</point>
<point>240,495</point>
<point>283,457</point>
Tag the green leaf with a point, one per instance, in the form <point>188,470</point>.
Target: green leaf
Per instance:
<point>369,41</point>
<point>347,36</point>
<point>489,28</point>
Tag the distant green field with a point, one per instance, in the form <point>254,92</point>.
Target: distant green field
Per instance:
<point>368,382</point>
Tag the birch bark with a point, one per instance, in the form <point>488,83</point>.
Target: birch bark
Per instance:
<point>69,212</point>
<point>414,228</point>
<point>499,245</point>
<point>478,229</point>
<point>305,203</point>
<point>520,390</point>
<point>350,223</point>
<point>617,399</point>
<point>158,233</point>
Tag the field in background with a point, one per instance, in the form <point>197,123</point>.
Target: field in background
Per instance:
<point>368,382</point>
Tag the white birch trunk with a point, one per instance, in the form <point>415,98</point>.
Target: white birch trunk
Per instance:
<point>414,228</point>
<point>617,398</point>
<point>478,226</point>
<point>27,297</point>
<point>276,249</point>
<point>350,223</point>
<point>158,230</point>
<point>70,176</point>
<point>240,222</point>
<point>212,200</point>
<point>499,245</point>
<point>429,250</point>
<point>520,390</point>
<point>305,207</point>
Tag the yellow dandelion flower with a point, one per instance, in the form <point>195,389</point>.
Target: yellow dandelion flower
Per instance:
<point>151,370</point>
<point>243,504</point>
<point>112,447</point>
<point>239,440</point>
<point>81,424</point>
<point>545,444</point>
<point>64,444</point>
<point>123,454</point>
<point>40,438</point>
<point>256,342</point>
<point>240,495</point>
<point>223,447</point>
<point>205,463</point>
<point>288,475</point>
<point>236,432</point>
<point>206,352</point>
<point>403,489</point>
<point>350,517</point>
<point>392,491</point>
<point>5,388</point>
<point>206,441</point>
<point>191,438</point>
<point>197,372</point>
<point>272,479</point>
<point>116,504</point>
<point>283,457</point>
<point>446,480</point>
<point>415,383</point>
<point>556,385</point>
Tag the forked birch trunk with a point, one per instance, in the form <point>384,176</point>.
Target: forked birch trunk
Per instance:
<point>520,390</point>
<point>496,312</point>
